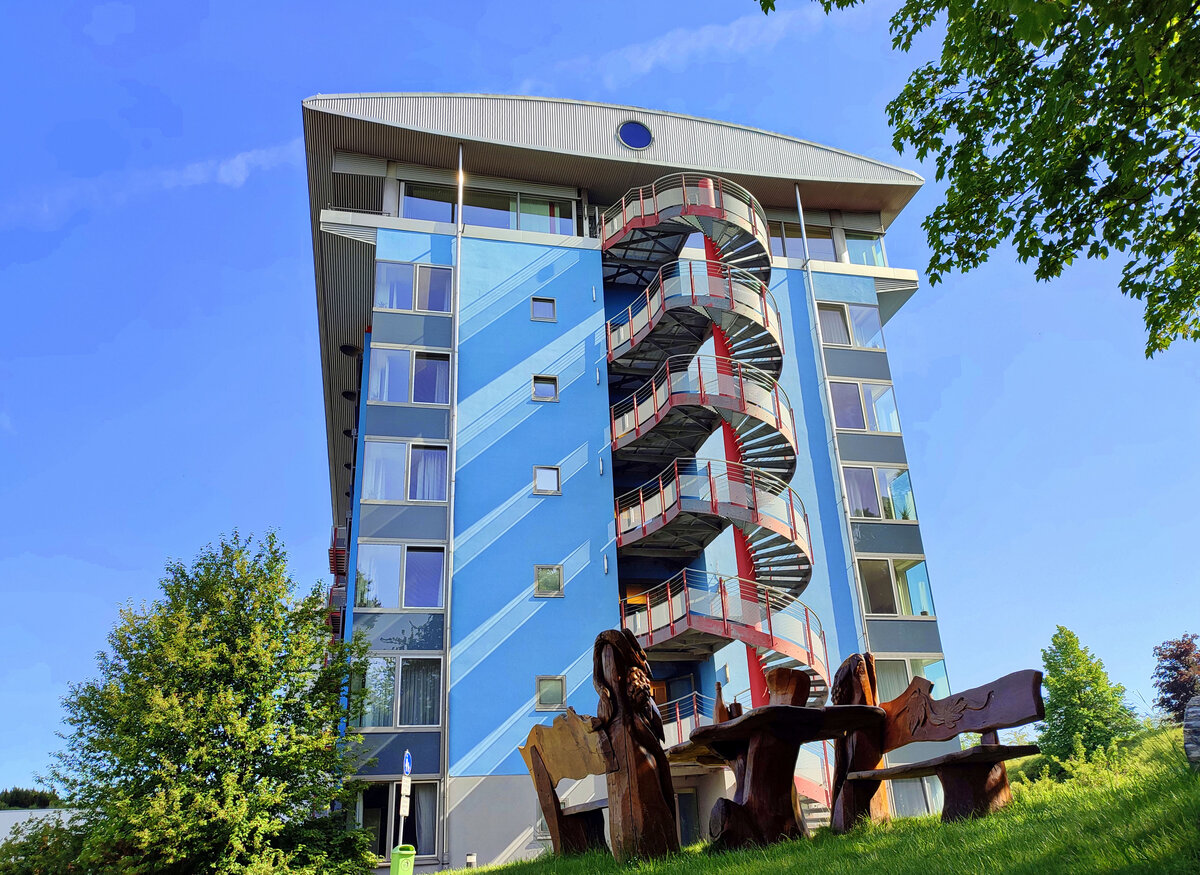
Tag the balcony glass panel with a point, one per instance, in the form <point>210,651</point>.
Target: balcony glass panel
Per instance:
<point>934,671</point>
<point>912,582</point>
<point>377,584</point>
<point>865,249</point>
<point>547,216</point>
<point>897,495</point>
<point>388,377</point>
<point>868,332</point>
<point>383,471</point>
<point>379,684</point>
<point>860,493</point>
<point>490,209</point>
<point>881,408</point>
<point>877,586</point>
<point>432,203</point>
<point>393,286</point>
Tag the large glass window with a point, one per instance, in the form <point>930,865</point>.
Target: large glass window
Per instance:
<point>431,203</point>
<point>892,677</point>
<point>420,827</point>
<point>393,286</point>
<point>865,249</point>
<point>431,378</point>
<point>860,493</point>
<point>420,691</point>
<point>876,578</point>
<point>491,209</point>
<point>388,377</point>
<point>380,686</point>
<point>868,332</point>
<point>424,571</point>
<point>427,481</point>
<point>383,471</point>
<point>820,244</point>
<point>896,491</point>
<point>833,324</point>
<point>912,583</point>
<point>847,405</point>
<point>374,817</point>
<point>881,407</point>
<point>547,216</point>
<point>377,584</point>
<point>934,671</point>
<point>433,288</point>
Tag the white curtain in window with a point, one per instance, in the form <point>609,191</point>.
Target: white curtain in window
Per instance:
<point>833,325</point>
<point>383,471</point>
<point>420,827</point>
<point>860,492</point>
<point>428,479</point>
<point>420,691</point>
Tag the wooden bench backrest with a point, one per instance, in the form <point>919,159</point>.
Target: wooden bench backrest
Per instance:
<point>568,748</point>
<point>914,715</point>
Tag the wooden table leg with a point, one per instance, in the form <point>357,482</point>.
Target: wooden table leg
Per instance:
<point>973,789</point>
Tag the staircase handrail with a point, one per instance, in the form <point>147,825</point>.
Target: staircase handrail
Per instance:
<point>712,192</point>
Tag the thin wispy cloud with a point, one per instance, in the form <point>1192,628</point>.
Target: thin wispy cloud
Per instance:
<point>681,47</point>
<point>50,208</point>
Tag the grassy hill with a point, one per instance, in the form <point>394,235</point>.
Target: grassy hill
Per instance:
<point>1137,812</point>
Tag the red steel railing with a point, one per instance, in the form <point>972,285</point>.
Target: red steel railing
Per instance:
<point>767,499</point>
<point>731,607</point>
<point>680,716</point>
<point>707,283</point>
<point>683,194</point>
<point>703,379</point>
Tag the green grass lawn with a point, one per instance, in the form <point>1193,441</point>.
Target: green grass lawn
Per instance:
<point>1140,813</point>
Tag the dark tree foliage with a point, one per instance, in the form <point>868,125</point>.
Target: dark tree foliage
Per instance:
<point>1177,674</point>
<point>42,846</point>
<point>211,740</point>
<point>26,797</point>
<point>1070,128</point>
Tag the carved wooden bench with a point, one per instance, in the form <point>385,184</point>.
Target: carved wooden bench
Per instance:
<point>974,781</point>
<point>567,748</point>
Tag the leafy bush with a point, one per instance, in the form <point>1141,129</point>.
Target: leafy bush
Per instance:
<point>42,846</point>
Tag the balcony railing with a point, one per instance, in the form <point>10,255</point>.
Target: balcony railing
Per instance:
<point>731,607</point>
<point>682,194</point>
<point>707,283</point>
<point>705,380</point>
<point>680,716</point>
<point>766,499</point>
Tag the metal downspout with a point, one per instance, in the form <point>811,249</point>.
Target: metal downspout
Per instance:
<point>455,307</point>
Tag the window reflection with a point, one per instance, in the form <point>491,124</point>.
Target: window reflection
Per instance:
<point>383,470</point>
<point>377,583</point>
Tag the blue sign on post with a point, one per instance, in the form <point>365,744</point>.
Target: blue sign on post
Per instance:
<point>407,762</point>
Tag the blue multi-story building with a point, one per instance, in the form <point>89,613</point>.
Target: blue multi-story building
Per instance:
<point>588,366</point>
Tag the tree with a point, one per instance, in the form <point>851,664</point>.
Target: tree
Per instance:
<point>211,739</point>
<point>1081,700</point>
<point>1069,128</point>
<point>1177,674</point>
<point>26,797</point>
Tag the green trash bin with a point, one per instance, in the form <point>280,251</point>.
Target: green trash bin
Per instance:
<point>403,857</point>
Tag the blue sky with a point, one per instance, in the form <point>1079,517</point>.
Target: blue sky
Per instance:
<point>159,374</point>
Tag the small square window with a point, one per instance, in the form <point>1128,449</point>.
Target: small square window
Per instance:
<point>543,310</point>
<point>551,693</point>
<point>545,388</point>
<point>547,580</point>
<point>547,481</point>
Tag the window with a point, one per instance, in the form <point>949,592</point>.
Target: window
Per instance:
<point>431,378</point>
<point>547,216</point>
<point>545,388</point>
<point>864,318</point>
<point>431,203</point>
<point>379,815</point>
<point>820,244</point>
<point>420,827</point>
<point>420,691</point>
<point>551,693</point>
<point>878,413</point>
<point>547,481</point>
<point>833,324</point>
<point>377,581</point>
<point>388,375</point>
<point>379,684</point>
<point>393,286</point>
<point>934,671</point>
<point>383,470</point>
<point>893,676</point>
<point>433,288</point>
<point>898,587</point>
<point>547,580</point>
<point>787,239</point>
<point>490,209</point>
<point>892,501</point>
<point>543,310</point>
<point>775,230</point>
<point>427,479</point>
<point>865,249</point>
<point>424,573</point>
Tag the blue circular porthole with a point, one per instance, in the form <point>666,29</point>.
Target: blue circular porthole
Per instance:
<point>635,135</point>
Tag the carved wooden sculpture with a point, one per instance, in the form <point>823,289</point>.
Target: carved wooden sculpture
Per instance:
<point>855,684</point>
<point>568,748</point>
<point>641,799</point>
<point>974,781</point>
